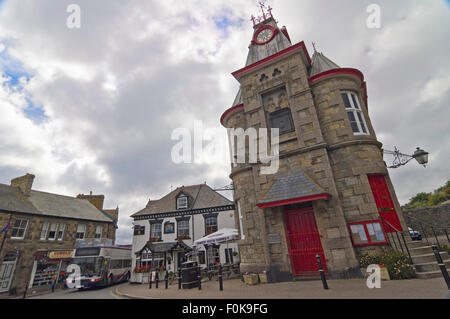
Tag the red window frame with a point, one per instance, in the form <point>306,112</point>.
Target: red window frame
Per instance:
<point>369,241</point>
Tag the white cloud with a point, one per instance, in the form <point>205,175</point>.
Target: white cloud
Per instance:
<point>114,89</point>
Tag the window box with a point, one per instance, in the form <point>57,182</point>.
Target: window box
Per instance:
<point>367,233</point>
<point>157,239</point>
<point>183,237</point>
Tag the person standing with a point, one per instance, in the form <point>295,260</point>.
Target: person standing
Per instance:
<point>54,282</point>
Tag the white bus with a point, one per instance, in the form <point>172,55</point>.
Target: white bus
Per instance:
<point>101,265</point>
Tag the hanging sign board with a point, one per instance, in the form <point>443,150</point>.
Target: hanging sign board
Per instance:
<point>60,254</point>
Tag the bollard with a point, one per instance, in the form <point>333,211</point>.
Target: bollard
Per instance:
<point>441,265</point>
<point>156,279</point>
<point>179,279</point>
<point>199,277</point>
<point>220,278</point>
<point>167,280</point>
<point>322,273</point>
<point>150,280</point>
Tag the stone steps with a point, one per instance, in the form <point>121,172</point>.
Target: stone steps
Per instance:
<point>415,244</point>
<point>430,274</point>
<point>424,260</point>
<point>422,250</point>
<point>430,266</point>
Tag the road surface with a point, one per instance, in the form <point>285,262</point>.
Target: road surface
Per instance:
<point>98,293</point>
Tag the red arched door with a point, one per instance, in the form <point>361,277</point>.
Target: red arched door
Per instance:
<point>303,240</point>
<point>384,202</point>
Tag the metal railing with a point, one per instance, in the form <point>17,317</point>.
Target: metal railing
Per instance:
<point>396,242</point>
<point>433,230</point>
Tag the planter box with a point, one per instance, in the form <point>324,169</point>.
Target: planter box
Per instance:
<point>136,278</point>
<point>385,274</point>
<point>263,278</point>
<point>145,277</point>
<point>251,279</point>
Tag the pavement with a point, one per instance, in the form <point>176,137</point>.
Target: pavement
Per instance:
<point>338,289</point>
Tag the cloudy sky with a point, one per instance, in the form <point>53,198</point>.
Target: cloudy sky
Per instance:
<point>93,109</point>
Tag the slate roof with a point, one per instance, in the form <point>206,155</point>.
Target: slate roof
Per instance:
<point>47,204</point>
<point>289,185</point>
<point>320,63</point>
<point>200,196</point>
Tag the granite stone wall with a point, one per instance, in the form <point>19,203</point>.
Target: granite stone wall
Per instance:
<point>436,216</point>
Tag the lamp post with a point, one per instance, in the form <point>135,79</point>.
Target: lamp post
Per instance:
<point>401,159</point>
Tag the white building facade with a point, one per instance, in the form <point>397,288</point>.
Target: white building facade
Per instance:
<point>165,230</point>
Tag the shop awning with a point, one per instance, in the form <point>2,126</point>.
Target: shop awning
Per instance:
<point>221,236</point>
<point>292,187</point>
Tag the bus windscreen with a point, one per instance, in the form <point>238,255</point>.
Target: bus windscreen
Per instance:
<point>89,266</point>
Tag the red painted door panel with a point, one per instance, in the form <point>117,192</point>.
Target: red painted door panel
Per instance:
<point>303,241</point>
<point>384,202</point>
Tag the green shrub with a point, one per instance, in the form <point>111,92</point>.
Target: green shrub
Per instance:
<point>397,264</point>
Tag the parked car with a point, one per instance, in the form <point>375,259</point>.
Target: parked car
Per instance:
<point>415,235</point>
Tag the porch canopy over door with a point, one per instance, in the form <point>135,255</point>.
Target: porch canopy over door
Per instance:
<point>292,187</point>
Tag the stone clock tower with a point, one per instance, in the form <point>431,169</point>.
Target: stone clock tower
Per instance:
<point>332,195</point>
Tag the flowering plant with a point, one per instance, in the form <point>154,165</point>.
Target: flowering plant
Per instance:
<point>141,269</point>
<point>397,264</point>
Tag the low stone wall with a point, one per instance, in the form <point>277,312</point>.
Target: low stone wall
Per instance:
<point>436,216</point>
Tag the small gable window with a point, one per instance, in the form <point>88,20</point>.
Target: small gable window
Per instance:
<point>182,202</point>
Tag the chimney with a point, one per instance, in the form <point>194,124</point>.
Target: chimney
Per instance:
<point>24,183</point>
<point>114,213</point>
<point>96,200</point>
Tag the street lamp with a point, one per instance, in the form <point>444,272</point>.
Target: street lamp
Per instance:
<point>421,157</point>
<point>401,159</point>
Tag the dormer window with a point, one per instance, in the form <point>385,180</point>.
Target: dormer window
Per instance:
<point>182,202</point>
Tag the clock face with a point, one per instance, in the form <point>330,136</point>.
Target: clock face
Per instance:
<point>264,36</point>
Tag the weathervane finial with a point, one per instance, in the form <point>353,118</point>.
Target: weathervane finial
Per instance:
<point>262,6</point>
<point>314,46</point>
<point>266,13</point>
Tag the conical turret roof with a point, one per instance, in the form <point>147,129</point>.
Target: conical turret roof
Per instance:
<point>320,63</point>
